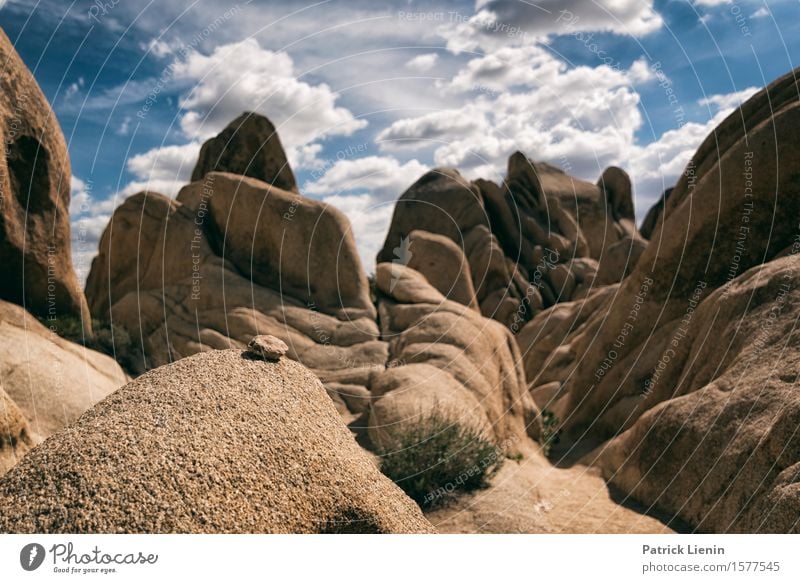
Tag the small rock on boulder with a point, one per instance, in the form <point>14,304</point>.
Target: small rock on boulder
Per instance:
<point>267,347</point>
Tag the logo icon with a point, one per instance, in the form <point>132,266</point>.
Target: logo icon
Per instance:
<point>402,255</point>
<point>31,556</point>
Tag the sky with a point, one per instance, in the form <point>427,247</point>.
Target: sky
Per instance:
<point>369,95</point>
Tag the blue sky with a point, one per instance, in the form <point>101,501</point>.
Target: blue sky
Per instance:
<point>369,95</point>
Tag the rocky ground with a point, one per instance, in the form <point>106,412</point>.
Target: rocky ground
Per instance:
<point>629,380</point>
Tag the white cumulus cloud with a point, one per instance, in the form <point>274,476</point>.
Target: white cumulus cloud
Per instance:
<point>245,77</point>
<point>423,63</point>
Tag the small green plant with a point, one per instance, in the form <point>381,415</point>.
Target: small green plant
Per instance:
<point>435,458</point>
<point>67,326</point>
<point>111,340</point>
<point>516,457</point>
<point>550,431</point>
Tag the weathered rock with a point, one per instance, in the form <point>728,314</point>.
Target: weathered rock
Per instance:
<point>520,238</point>
<point>739,407</point>
<point>655,216</point>
<point>442,202</point>
<point>616,185</point>
<point>546,341</point>
<point>443,264</point>
<point>692,358</point>
<point>267,347</point>
<point>215,443</point>
<point>175,296</point>
<point>248,146</point>
<point>601,215</point>
<point>619,260</point>
<point>356,398</point>
<point>283,241</point>
<point>35,189</point>
<point>51,380</point>
<point>451,360</point>
<point>706,241</point>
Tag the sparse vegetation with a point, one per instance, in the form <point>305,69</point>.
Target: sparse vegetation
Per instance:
<point>436,458</point>
<point>550,431</point>
<point>111,340</point>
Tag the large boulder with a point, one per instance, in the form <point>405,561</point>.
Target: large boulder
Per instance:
<point>706,241</point>
<point>442,202</point>
<point>51,380</point>
<point>692,358</point>
<point>724,454</point>
<point>443,264</point>
<point>591,217</point>
<point>448,360</point>
<point>35,186</point>
<point>159,277</point>
<point>284,241</point>
<point>233,258</point>
<point>220,442</point>
<point>248,146</point>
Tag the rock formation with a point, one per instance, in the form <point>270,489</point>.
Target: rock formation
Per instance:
<point>46,382</point>
<point>249,146</point>
<point>215,443</point>
<point>51,380</point>
<point>233,258</point>
<point>172,289</point>
<point>655,216</point>
<point>35,193</point>
<point>693,357</point>
<point>537,239</point>
<point>449,358</point>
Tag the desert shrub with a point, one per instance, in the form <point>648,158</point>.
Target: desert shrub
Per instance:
<point>111,340</point>
<point>67,326</point>
<point>434,459</point>
<point>550,433</point>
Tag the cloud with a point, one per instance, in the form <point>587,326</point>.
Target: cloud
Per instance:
<point>413,133</point>
<point>730,100</point>
<point>501,22</point>
<point>244,77</point>
<point>305,157</point>
<point>165,169</point>
<point>369,219</point>
<point>761,12</point>
<point>423,63</point>
<point>73,89</point>
<point>526,99</point>
<point>89,218</point>
<point>383,177</point>
<point>711,2</point>
<point>656,166</point>
<point>582,119</point>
